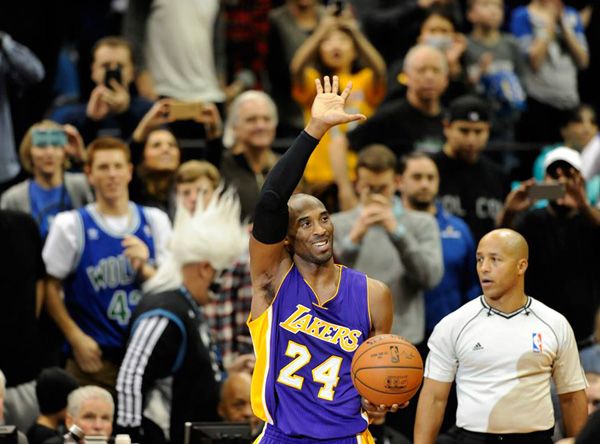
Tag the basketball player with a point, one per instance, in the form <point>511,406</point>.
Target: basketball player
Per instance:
<point>308,314</point>
<point>100,254</point>
<point>503,348</point>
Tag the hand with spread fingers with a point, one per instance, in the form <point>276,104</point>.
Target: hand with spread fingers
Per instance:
<point>328,107</point>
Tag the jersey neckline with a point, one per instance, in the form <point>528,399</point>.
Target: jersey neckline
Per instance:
<point>490,309</point>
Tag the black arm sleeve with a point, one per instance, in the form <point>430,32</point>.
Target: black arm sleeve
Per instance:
<point>271,214</point>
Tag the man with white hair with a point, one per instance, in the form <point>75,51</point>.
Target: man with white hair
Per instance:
<point>249,134</point>
<point>91,408</point>
<point>170,348</point>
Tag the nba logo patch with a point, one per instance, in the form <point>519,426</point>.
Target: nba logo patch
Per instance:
<point>537,342</point>
<point>93,234</point>
<point>147,231</point>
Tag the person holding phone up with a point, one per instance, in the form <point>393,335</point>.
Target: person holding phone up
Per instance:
<point>156,153</point>
<point>563,239</point>
<point>47,152</point>
<point>112,109</point>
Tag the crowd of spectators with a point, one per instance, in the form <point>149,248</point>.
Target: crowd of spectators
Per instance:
<point>126,112</point>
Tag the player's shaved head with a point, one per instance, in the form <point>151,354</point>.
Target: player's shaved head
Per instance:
<point>301,202</point>
<point>511,242</point>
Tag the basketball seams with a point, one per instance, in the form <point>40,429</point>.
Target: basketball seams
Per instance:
<point>387,366</point>
<point>356,358</point>
<point>377,364</point>
<point>414,389</point>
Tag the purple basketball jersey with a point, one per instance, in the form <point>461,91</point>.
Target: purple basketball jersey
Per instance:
<point>302,384</point>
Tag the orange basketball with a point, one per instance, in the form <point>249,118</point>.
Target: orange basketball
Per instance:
<point>387,370</point>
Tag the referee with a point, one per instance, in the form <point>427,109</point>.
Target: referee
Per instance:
<point>502,349</point>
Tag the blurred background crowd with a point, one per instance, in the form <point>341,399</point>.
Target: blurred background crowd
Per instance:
<point>112,111</point>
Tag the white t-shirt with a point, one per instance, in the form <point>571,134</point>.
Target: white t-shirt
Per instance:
<point>65,243</point>
<point>503,363</point>
<point>590,158</point>
<point>179,49</point>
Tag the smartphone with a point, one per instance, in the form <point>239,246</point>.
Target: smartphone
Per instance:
<point>112,74</point>
<point>185,110</point>
<point>339,7</point>
<point>550,191</point>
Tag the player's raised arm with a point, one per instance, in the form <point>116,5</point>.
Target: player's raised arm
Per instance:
<point>268,258</point>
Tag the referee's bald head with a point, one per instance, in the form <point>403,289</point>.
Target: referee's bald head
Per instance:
<point>512,242</point>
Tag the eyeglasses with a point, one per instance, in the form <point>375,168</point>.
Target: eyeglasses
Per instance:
<point>48,138</point>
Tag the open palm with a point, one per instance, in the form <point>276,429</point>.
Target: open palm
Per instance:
<point>328,106</point>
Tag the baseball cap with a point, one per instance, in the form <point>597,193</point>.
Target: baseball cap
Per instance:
<point>563,154</point>
<point>470,108</point>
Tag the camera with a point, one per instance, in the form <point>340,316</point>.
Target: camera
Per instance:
<point>112,74</point>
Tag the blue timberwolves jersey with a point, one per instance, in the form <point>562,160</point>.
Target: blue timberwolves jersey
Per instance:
<point>301,383</point>
<point>102,291</point>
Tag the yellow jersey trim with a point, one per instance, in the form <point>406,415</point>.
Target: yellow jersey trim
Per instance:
<point>337,289</point>
<point>369,304</point>
<point>260,332</point>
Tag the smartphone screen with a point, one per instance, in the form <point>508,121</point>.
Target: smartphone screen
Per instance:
<point>185,110</point>
<point>550,191</point>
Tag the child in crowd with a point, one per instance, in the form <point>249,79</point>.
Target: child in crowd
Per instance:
<point>494,65</point>
<point>336,48</point>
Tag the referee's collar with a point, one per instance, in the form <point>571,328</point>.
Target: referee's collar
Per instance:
<point>489,309</point>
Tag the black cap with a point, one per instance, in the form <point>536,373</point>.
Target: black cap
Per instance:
<point>470,108</point>
<point>52,389</point>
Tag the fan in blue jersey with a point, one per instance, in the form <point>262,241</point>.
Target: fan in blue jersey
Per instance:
<point>308,314</point>
<point>99,255</point>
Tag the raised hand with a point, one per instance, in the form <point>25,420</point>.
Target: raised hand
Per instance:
<point>157,116</point>
<point>210,117</point>
<point>117,97</point>
<point>574,186</point>
<point>97,109</point>
<point>518,199</point>
<point>75,148</point>
<point>328,107</point>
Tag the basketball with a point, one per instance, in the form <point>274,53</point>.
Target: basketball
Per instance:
<point>387,370</point>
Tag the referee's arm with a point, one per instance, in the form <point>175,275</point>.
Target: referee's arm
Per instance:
<point>430,410</point>
<point>573,406</point>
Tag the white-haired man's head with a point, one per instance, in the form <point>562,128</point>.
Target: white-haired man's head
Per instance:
<point>91,408</point>
<point>426,71</point>
<point>251,122</point>
<point>202,244</point>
